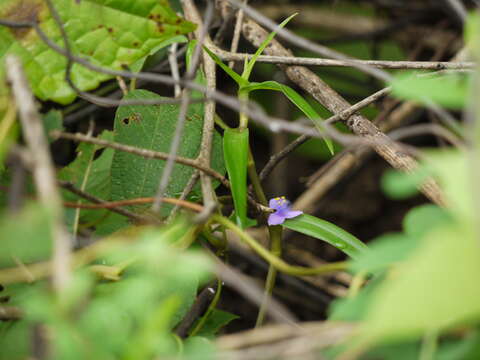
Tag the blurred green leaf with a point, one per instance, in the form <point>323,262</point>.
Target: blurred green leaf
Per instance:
<point>235,150</point>
<point>118,35</point>
<point>328,232</point>
<point>26,236</point>
<point>447,90</point>
<point>153,127</point>
<point>424,218</point>
<point>433,290</point>
<point>384,251</point>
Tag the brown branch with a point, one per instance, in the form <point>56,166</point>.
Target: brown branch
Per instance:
<point>43,169</point>
<point>136,201</point>
<point>311,83</point>
<point>70,187</point>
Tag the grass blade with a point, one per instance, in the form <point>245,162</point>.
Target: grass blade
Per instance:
<point>328,232</point>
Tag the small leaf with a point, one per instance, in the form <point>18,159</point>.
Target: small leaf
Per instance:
<point>235,150</point>
<point>249,65</point>
<point>216,320</point>
<point>52,121</point>
<point>296,99</point>
<point>328,232</point>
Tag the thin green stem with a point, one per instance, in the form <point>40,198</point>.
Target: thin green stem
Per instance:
<point>276,249</point>
<point>276,262</point>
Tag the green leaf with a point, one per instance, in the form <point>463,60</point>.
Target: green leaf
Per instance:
<point>328,232</point>
<point>296,99</point>
<point>423,219</point>
<point>238,79</point>
<point>216,320</point>
<point>447,90</point>
<point>113,34</point>
<point>152,127</point>
<point>249,65</point>
<point>235,150</point>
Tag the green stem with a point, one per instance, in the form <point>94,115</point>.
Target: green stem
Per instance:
<point>275,261</point>
<point>243,120</point>
<point>275,249</point>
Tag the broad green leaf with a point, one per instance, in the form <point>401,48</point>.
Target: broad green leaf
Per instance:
<point>435,289</point>
<point>235,151</point>
<point>238,79</point>
<point>296,99</point>
<point>152,127</point>
<point>328,232</point>
<point>113,34</point>
<point>216,320</point>
<point>249,65</point>
<point>447,90</point>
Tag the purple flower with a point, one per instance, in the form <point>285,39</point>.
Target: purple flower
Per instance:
<point>282,207</point>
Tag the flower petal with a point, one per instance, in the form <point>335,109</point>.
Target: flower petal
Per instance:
<point>275,219</point>
<point>293,213</point>
<point>273,203</point>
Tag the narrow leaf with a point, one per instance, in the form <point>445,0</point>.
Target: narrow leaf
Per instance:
<point>238,79</point>
<point>235,152</point>
<point>296,99</point>
<point>328,232</point>
<point>249,66</point>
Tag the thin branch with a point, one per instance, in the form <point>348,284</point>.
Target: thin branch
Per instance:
<point>205,154</point>
<point>70,187</point>
<point>379,64</point>
<point>43,169</point>
<point>136,201</point>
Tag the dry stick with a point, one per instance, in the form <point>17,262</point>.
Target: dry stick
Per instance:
<point>312,84</point>
<point>205,154</point>
<point>236,34</point>
<point>345,114</point>
<point>43,169</point>
<point>175,145</point>
<point>380,64</point>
